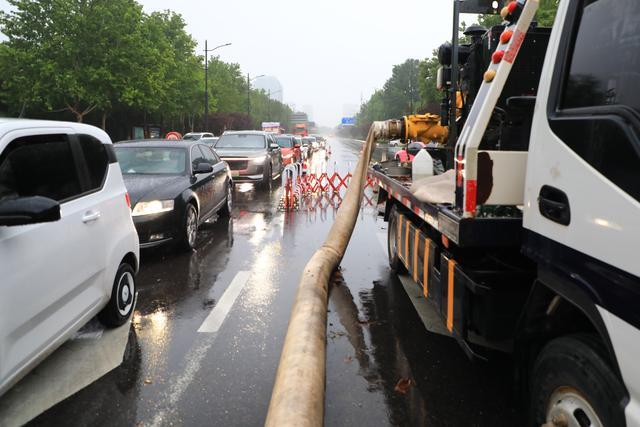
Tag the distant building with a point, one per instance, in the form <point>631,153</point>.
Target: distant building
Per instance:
<point>269,83</point>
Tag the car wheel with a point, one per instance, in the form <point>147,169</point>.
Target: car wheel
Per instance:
<point>267,178</point>
<point>572,384</point>
<point>187,240</point>
<point>123,294</point>
<point>226,210</point>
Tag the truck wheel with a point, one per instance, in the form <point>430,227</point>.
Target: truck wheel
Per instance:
<point>123,293</point>
<point>392,243</point>
<point>572,384</point>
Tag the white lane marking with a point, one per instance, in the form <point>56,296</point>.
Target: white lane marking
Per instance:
<point>179,386</point>
<point>214,320</point>
<point>196,355</point>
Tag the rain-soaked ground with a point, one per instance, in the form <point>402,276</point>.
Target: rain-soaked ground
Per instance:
<point>383,368</point>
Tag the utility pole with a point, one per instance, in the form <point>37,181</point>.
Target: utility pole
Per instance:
<point>206,80</point>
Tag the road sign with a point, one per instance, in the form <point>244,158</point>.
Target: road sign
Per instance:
<point>173,136</point>
<point>348,121</point>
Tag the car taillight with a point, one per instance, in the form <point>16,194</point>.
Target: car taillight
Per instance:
<point>127,199</point>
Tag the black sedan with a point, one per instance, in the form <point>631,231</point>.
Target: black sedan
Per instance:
<point>174,187</point>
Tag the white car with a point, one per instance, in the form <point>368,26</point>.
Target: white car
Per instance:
<point>197,135</point>
<point>68,247</point>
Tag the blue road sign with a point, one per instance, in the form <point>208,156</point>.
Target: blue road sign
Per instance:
<point>348,121</point>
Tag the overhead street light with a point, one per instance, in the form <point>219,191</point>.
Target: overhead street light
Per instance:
<point>206,80</point>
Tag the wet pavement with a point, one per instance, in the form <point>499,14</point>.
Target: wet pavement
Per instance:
<point>383,367</point>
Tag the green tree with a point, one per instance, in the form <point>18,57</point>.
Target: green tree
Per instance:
<point>547,12</point>
<point>401,93</point>
<point>370,111</point>
<point>179,93</point>
<point>430,97</point>
<point>227,87</point>
<point>72,55</point>
<point>545,15</point>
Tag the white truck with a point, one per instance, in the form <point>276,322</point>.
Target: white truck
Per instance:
<point>536,254</point>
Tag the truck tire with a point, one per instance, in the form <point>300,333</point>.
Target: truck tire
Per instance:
<point>573,384</point>
<point>392,248</point>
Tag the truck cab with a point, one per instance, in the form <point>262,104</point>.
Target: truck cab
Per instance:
<point>300,129</point>
<point>534,256</point>
<point>581,216</point>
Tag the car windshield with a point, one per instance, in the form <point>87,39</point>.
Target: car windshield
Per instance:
<point>284,142</point>
<point>192,137</point>
<point>151,160</point>
<point>241,141</point>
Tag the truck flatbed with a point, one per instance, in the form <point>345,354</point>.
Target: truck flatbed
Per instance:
<point>496,231</point>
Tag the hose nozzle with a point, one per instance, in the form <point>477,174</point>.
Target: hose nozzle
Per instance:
<point>388,129</point>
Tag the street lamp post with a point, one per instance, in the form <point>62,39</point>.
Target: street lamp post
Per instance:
<point>206,80</point>
<point>249,80</point>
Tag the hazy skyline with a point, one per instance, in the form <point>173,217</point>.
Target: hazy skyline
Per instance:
<point>325,53</point>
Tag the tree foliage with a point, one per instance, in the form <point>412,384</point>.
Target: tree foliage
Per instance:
<point>92,59</point>
<point>399,96</point>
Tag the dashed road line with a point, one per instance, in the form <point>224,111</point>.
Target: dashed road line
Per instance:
<point>214,320</point>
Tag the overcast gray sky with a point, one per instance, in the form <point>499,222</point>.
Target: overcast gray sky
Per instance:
<point>326,53</point>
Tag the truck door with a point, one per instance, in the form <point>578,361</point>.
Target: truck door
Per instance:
<point>583,171</point>
<point>582,191</point>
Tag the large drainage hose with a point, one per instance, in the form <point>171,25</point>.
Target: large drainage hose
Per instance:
<point>298,393</point>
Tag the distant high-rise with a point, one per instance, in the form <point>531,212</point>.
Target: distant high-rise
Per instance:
<point>269,83</point>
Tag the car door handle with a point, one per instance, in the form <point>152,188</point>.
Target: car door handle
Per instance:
<point>553,204</point>
<point>91,216</point>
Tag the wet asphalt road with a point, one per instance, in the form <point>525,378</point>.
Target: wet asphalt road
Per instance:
<point>175,375</point>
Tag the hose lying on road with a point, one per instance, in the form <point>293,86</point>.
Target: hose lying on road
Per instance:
<point>298,393</point>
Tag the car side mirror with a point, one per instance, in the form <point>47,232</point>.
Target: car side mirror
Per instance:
<point>274,146</point>
<point>202,168</point>
<point>28,210</point>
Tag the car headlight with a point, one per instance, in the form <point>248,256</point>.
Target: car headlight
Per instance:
<point>152,207</point>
